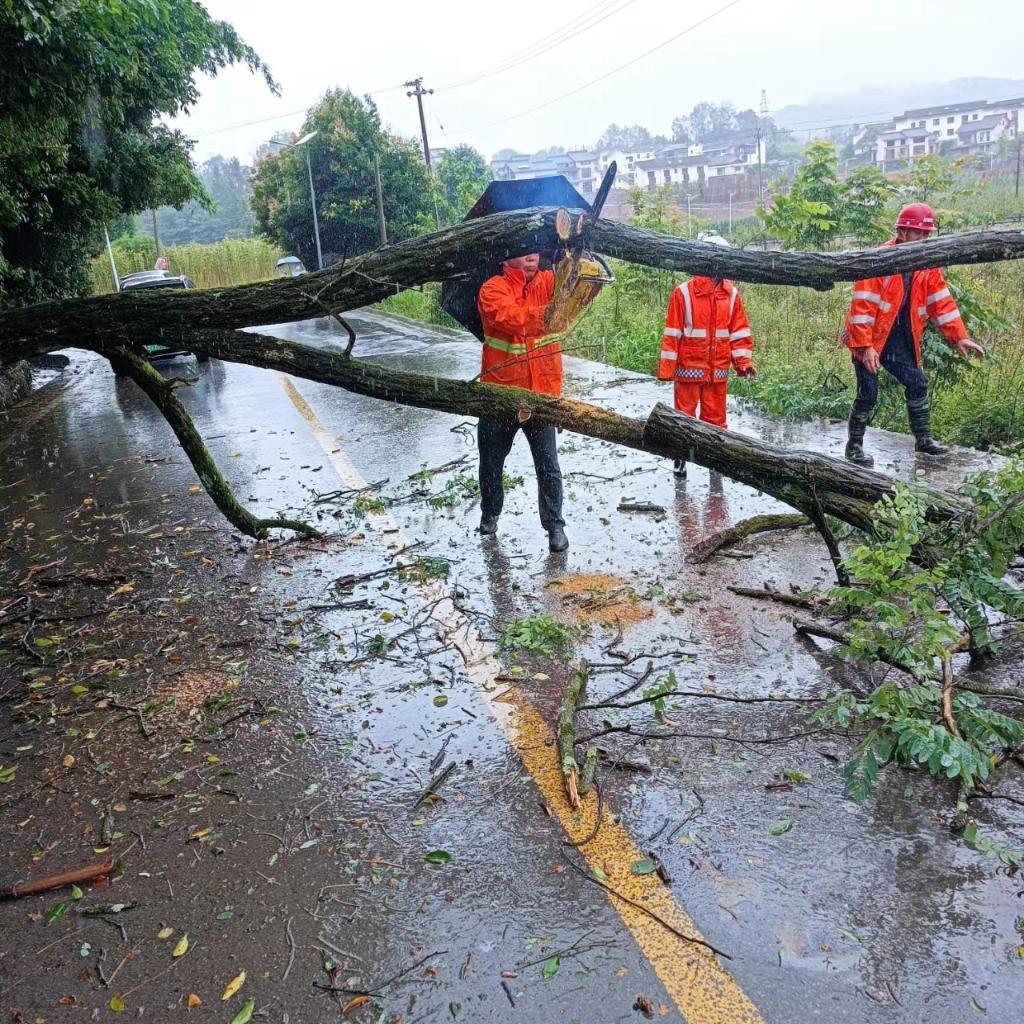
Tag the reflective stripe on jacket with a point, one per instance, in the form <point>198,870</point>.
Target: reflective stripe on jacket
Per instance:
<point>516,351</point>
<point>706,332</point>
<point>876,304</point>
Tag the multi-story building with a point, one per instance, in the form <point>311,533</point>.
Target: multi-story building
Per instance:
<point>952,129</point>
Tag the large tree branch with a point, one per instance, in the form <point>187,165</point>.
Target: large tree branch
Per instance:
<point>798,478</point>
<point>161,391</point>
<point>145,316</point>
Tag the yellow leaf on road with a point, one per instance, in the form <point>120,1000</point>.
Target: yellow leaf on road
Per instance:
<point>69,760</point>
<point>194,489</point>
<point>234,985</point>
<point>193,1000</point>
<point>125,588</point>
<point>165,933</point>
<point>181,947</point>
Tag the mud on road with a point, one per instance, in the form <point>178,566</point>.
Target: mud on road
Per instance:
<point>322,770</point>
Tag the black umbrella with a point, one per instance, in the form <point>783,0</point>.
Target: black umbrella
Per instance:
<point>458,294</point>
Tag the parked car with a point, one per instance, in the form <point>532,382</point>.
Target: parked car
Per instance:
<point>290,266</point>
<point>156,279</point>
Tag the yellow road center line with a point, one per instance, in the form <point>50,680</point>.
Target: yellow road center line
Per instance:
<point>703,990</point>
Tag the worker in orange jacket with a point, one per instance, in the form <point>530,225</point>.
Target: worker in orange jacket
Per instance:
<point>706,333</point>
<point>883,328</point>
<point>519,352</point>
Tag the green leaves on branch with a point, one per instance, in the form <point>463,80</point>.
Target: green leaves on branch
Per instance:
<point>907,731</point>
<point>916,589</point>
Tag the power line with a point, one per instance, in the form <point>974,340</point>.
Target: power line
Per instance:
<point>607,74</point>
<point>284,114</point>
<point>570,30</point>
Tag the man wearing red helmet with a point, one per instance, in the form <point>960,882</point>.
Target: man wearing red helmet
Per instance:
<point>884,327</point>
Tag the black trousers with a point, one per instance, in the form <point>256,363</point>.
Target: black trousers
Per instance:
<point>494,439</point>
<point>898,359</point>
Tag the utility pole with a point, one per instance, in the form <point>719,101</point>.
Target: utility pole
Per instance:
<point>1016,186</point>
<point>416,89</point>
<point>762,118</point>
<point>156,236</point>
<point>383,228</point>
<point>731,194</point>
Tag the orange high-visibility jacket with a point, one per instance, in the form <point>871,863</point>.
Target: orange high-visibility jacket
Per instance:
<point>876,304</point>
<point>517,352</point>
<point>706,331</point>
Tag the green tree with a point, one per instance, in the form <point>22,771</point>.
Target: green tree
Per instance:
<point>348,131</point>
<point>82,84</point>
<point>865,195</point>
<point>227,183</point>
<point>809,216</point>
<point>460,177</point>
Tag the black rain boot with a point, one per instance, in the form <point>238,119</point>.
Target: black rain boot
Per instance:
<point>855,442</point>
<point>919,417</point>
<point>557,540</point>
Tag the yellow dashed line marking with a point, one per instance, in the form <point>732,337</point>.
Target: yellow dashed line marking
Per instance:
<point>702,989</point>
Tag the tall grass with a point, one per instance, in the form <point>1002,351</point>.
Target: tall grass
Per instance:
<point>217,265</point>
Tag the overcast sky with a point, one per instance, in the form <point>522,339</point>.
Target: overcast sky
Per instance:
<point>794,49</point>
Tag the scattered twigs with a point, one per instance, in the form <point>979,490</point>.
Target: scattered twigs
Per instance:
<point>767,594</point>
<point>377,990</point>
<point>947,695</point>
<point>88,874</point>
<point>435,784</point>
<point>646,507</point>
<point>701,694</point>
<point>745,528</point>
<point>291,948</point>
<point>817,516</point>
<point>566,731</point>
<point>576,949</point>
<point>646,910</point>
<point>592,834</point>
<point>628,730</point>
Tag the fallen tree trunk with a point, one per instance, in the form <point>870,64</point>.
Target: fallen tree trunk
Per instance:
<point>815,484</point>
<point>149,316</point>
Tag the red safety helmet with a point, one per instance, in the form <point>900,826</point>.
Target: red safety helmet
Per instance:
<point>918,216</point>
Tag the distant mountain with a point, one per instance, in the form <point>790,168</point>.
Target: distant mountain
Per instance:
<point>880,102</point>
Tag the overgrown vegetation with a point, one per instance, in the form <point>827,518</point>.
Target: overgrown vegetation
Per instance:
<point>215,265</point>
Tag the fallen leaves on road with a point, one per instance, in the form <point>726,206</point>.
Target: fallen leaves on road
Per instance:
<point>602,598</point>
<point>234,985</point>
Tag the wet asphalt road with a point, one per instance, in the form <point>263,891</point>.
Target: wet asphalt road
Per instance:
<point>857,913</point>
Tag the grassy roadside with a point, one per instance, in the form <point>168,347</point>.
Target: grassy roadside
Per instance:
<point>804,370</point>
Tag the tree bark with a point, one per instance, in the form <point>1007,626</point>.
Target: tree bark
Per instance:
<point>148,316</point>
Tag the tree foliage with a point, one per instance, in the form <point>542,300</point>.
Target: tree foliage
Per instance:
<point>910,611</point>
<point>629,138</point>
<point>82,84</point>
<point>819,209</point>
<point>227,215</point>
<point>460,176</point>
<point>348,131</point>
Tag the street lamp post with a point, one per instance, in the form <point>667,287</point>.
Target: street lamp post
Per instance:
<point>689,219</point>
<point>731,194</point>
<point>312,194</point>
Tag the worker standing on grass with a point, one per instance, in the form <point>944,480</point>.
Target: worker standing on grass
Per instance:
<point>883,328</point>
<point>519,351</point>
<point>706,332</point>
